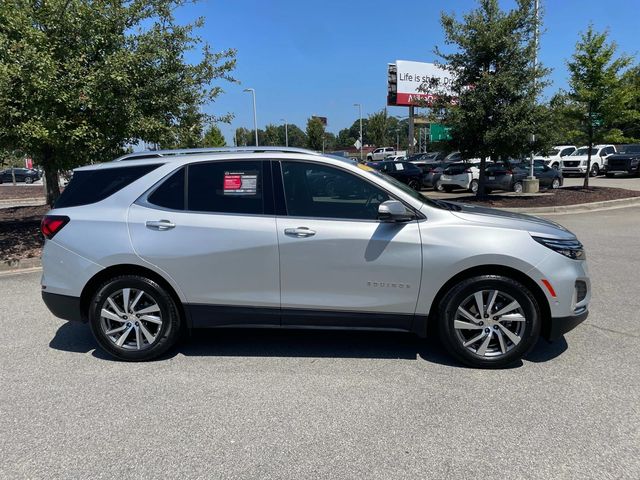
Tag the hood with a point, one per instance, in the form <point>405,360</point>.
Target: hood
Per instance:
<point>516,221</point>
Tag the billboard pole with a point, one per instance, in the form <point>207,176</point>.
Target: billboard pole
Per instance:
<point>411,133</point>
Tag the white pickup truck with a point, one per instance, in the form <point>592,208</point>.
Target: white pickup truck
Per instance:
<point>576,163</point>
<point>384,152</point>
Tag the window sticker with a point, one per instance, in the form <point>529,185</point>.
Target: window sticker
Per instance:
<point>240,183</point>
<point>399,166</point>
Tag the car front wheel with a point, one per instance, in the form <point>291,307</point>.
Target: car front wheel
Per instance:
<point>517,187</point>
<point>595,170</point>
<point>133,318</point>
<point>28,180</point>
<point>555,184</point>
<point>489,321</point>
<point>473,186</point>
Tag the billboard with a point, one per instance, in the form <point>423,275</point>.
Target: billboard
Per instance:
<point>405,79</point>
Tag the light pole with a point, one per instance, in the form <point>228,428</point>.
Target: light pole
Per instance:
<point>532,178</point>
<point>286,132</point>
<point>255,117</point>
<point>361,139</point>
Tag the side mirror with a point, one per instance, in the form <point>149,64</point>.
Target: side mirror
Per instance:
<point>394,211</point>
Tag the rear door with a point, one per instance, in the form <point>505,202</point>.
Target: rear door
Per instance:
<point>340,266</point>
<point>211,228</point>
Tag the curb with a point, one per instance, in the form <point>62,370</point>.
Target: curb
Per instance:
<point>16,265</point>
<point>580,207</point>
<point>22,202</point>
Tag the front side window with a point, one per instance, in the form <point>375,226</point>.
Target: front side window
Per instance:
<point>321,191</point>
<point>226,187</point>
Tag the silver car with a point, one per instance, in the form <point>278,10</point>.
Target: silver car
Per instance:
<point>150,245</point>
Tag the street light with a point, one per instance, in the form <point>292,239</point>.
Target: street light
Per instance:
<point>255,118</point>
<point>361,139</point>
<point>286,132</point>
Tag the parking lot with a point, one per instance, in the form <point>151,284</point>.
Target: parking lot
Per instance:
<point>303,404</point>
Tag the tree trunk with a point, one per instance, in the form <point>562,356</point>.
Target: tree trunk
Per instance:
<point>481,180</point>
<point>51,176</point>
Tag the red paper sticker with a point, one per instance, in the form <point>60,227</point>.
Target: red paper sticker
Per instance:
<point>232,182</point>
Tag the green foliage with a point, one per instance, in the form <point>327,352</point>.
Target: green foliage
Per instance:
<point>315,134</point>
<point>81,79</point>
<point>377,128</point>
<point>213,137</point>
<point>599,95</point>
<point>494,79</point>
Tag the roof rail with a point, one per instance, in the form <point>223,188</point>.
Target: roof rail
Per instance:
<point>200,151</point>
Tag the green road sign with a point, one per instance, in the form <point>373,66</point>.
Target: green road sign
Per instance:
<point>439,132</point>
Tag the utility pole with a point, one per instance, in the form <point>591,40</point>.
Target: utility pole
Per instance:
<point>255,117</point>
<point>286,132</point>
<point>361,139</point>
<point>531,184</point>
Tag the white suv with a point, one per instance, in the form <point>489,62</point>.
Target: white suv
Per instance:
<point>154,243</point>
<point>576,163</point>
<point>554,157</point>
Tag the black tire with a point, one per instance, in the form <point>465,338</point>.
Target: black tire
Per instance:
<point>487,190</point>
<point>448,310</point>
<point>28,180</point>
<point>167,334</point>
<point>473,186</point>
<point>609,175</point>
<point>595,170</point>
<point>447,188</point>
<point>414,184</point>
<point>517,187</point>
<point>555,183</point>
<point>555,166</point>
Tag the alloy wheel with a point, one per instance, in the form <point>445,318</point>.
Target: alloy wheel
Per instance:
<point>131,319</point>
<point>555,183</point>
<point>489,323</point>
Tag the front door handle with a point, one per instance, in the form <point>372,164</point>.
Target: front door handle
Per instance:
<point>160,224</point>
<point>300,232</point>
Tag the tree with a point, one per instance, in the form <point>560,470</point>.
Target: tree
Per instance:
<point>344,139</point>
<point>627,122</point>
<point>315,134</point>
<point>494,80</point>
<point>596,87</point>
<point>377,128</point>
<point>272,135</point>
<point>82,79</point>
<point>213,137</point>
<point>297,138</point>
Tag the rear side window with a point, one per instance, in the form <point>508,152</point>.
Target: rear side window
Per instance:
<point>91,186</point>
<point>170,194</point>
<point>226,187</point>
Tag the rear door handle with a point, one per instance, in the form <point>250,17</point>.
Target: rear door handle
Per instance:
<point>300,232</point>
<point>160,224</point>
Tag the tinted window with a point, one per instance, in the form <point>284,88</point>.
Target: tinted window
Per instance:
<point>567,151</point>
<point>226,187</point>
<point>325,192</point>
<point>90,186</point>
<point>170,194</point>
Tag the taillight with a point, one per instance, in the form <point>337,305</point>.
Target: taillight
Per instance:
<point>467,170</point>
<point>52,224</point>
<point>509,172</point>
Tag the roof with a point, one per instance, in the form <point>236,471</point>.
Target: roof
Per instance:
<point>170,154</point>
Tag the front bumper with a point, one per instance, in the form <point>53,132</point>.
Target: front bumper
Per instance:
<point>574,170</point>
<point>63,306</point>
<point>558,326</point>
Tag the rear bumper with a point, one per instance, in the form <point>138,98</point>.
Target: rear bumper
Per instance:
<point>63,306</point>
<point>561,325</point>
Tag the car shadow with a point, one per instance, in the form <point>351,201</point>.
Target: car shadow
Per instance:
<point>227,342</point>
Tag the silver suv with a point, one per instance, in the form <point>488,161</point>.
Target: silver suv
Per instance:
<point>151,244</point>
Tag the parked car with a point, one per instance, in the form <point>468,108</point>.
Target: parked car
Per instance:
<point>627,160</point>
<point>396,158</point>
<point>25,175</point>
<point>405,172</point>
<point>509,176</point>
<point>431,173</point>
<point>554,156</point>
<point>459,175</point>
<point>383,152</point>
<point>142,250</point>
<point>576,163</point>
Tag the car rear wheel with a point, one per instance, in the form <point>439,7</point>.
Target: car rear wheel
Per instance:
<point>28,180</point>
<point>489,321</point>
<point>517,187</point>
<point>555,183</point>
<point>439,187</point>
<point>133,318</point>
<point>473,186</point>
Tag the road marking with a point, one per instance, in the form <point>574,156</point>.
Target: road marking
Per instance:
<point>18,272</point>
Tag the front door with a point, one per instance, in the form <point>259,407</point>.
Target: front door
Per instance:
<point>340,266</point>
<point>218,243</point>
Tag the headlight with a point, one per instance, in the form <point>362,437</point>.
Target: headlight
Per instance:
<point>569,248</point>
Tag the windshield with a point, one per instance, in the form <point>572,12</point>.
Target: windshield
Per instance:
<point>630,149</point>
<point>584,151</point>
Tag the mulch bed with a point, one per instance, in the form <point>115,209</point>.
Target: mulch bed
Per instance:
<point>554,198</point>
<point>21,191</point>
<point>20,235</point>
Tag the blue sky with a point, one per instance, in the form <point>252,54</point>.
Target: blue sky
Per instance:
<point>321,57</point>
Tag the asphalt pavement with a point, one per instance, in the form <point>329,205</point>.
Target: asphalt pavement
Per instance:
<point>296,405</point>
